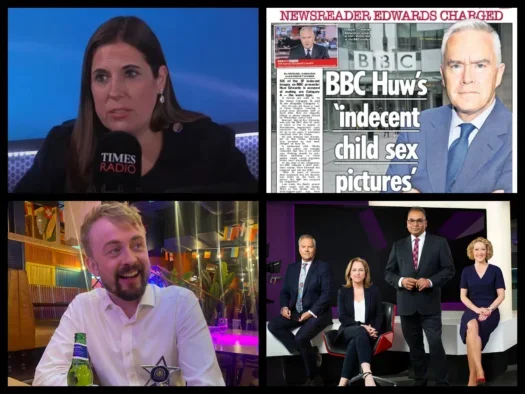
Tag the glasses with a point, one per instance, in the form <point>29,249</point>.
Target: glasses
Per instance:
<point>418,221</point>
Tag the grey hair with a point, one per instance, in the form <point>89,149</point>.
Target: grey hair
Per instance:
<point>472,24</point>
<point>306,236</point>
<point>306,28</point>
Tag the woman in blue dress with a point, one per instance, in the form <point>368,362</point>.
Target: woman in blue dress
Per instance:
<point>482,291</point>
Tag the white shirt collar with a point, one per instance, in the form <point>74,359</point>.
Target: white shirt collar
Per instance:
<point>148,298</point>
<point>478,121</point>
<point>421,237</point>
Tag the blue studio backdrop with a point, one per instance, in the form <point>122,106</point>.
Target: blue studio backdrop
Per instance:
<point>212,55</point>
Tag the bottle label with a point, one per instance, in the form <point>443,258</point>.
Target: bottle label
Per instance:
<point>80,352</point>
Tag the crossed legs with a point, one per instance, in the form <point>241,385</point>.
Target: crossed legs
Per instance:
<point>359,349</point>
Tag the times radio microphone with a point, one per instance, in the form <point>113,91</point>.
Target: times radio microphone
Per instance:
<point>118,164</point>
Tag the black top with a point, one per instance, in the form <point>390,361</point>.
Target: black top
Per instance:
<point>373,308</point>
<point>482,291</point>
<point>200,158</point>
<point>436,264</point>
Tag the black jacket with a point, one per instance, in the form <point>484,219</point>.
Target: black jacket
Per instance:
<point>318,52</point>
<point>373,309</point>
<point>317,290</point>
<point>200,158</point>
<point>436,264</point>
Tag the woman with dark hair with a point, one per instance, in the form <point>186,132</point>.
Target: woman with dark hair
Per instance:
<point>482,292</point>
<point>126,86</point>
<point>361,315</point>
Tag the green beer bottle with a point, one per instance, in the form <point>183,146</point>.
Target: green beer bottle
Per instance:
<point>80,373</point>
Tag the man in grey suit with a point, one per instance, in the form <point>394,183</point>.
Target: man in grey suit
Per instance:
<point>307,49</point>
<point>465,147</point>
<point>418,267</point>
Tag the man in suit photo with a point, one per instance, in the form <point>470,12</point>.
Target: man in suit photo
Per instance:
<point>418,266</point>
<point>305,302</point>
<point>465,146</point>
<point>308,49</point>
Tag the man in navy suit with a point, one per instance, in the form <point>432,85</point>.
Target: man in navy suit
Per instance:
<point>307,49</point>
<point>418,267</point>
<point>305,302</point>
<point>466,146</point>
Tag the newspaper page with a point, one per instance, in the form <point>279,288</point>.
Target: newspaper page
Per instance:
<point>388,100</point>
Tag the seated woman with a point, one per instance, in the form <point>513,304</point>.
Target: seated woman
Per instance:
<point>360,313</point>
<point>482,291</point>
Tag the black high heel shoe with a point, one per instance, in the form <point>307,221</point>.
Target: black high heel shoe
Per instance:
<point>365,374</point>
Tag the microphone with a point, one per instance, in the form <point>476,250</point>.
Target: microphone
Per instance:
<point>118,163</point>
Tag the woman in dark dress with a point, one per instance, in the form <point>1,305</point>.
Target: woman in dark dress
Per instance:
<point>360,313</point>
<point>482,291</point>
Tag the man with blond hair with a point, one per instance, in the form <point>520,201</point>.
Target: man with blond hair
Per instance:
<point>129,324</point>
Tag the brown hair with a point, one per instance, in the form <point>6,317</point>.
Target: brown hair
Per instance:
<point>88,128</point>
<point>348,278</point>
<point>116,213</point>
<point>484,241</point>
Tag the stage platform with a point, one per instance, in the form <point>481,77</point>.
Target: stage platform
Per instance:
<point>500,350</point>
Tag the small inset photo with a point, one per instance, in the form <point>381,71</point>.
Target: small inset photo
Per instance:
<point>305,46</point>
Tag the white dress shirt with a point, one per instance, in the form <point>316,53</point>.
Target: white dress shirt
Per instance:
<point>359,311</point>
<point>421,243</point>
<point>455,129</point>
<point>308,265</point>
<point>168,322</point>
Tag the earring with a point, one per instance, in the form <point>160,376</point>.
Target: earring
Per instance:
<point>161,99</point>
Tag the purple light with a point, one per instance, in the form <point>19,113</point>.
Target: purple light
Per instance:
<point>372,229</point>
<point>462,224</point>
<point>453,306</point>
<point>235,340</point>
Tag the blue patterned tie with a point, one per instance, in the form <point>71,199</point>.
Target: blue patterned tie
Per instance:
<point>457,153</point>
<point>302,277</point>
<point>308,54</point>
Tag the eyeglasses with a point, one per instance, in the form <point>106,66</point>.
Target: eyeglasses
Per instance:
<point>418,221</point>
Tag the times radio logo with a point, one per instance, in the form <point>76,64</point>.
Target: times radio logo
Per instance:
<point>118,163</point>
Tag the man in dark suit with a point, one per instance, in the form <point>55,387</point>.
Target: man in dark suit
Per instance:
<point>307,49</point>
<point>418,267</point>
<point>305,302</point>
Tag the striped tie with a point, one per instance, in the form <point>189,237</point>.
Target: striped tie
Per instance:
<point>415,252</point>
